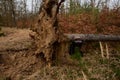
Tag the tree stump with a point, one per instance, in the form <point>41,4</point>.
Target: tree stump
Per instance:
<point>51,44</point>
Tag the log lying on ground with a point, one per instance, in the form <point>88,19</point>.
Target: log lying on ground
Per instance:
<point>18,39</point>
<point>93,37</point>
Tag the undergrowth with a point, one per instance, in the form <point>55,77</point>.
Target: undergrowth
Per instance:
<point>97,68</point>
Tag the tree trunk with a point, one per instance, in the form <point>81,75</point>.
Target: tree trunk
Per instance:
<point>93,37</point>
<point>48,37</point>
<point>12,9</point>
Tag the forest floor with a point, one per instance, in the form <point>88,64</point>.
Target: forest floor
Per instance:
<point>17,61</point>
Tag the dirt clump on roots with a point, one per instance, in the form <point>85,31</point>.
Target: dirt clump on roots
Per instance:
<point>16,55</point>
<point>18,62</point>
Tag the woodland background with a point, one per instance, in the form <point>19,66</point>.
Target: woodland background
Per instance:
<point>76,16</point>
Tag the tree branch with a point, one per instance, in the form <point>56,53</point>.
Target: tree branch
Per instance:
<point>59,4</point>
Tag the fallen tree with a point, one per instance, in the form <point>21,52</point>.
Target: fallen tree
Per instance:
<point>15,41</point>
<point>47,36</point>
<point>93,37</point>
<point>51,43</point>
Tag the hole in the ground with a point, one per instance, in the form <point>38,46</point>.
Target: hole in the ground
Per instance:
<point>75,47</point>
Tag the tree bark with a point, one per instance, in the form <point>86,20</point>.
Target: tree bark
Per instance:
<point>47,34</point>
<point>93,37</point>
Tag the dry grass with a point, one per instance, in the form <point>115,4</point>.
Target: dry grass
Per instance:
<point>15,39</point>
<point>22,65</point>
<point>92,67</point>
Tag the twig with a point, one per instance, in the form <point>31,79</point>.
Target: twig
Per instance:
<point>84,76</point>
<point>107,51</point>
<point>101,48</point>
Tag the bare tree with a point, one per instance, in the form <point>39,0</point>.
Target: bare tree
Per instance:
<point>116,4</point>
<point>8,12</point>
<point>12,9</point>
